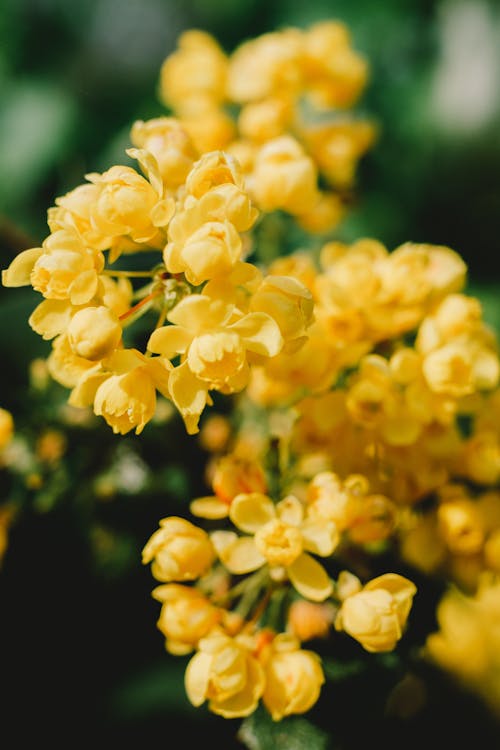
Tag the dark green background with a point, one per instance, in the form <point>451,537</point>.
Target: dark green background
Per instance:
<point>83,660</point>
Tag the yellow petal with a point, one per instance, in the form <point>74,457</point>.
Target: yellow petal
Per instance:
<point>260,333</point>
<point>19,271</point>
<point>209,507</point>
<point>162,212</point>
<point>242,556</point>
<point>198,312</point>
<point>84,393</point>
<point>310,578</point>
<point>83,287</point>
<point>245,702</point>
<point>250,511</point>
<point>189,394</point>
<point>169,341</point>
<point>320,537</point>
<point>290,510</point>
<point>149,166</point>
<point>196,677</point>
<point>51,317</point>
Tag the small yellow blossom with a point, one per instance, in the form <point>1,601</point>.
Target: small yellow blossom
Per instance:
<point>308,620</point>
<point>376,615</point>
<point>232,475</point>
<point>226,673</point>
<point>122,389</point>
<point>179,551</point>
<point>194,73</point>
<point>293,677</point>
<point>186,616</point>
<point>213,340</point>
<point>284,177</point>
<point>94,332</point>
<point>289,303</point>
<point>283,538</point>
<point>168,141</point>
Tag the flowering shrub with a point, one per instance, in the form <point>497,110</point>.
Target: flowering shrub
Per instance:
<point>363,381</point>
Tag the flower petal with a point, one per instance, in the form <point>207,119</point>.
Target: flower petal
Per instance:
<point>189,394</point>
<point>320,537</point>
<point>199,313</point>
<point>250,511</point>
<point>310,578</point>
<point>209,507</point>
<point>169,341</point>
<point>196,677</point>
<point>260,333</point>
<point>241,556</point>
<point>51,317</point>
<point>19,271</point>
<point>83,287</point>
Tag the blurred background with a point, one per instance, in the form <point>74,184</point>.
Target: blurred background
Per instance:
<point>77,619</point>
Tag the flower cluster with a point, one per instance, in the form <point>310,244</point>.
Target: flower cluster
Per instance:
<point>243,598</point>
<point>364,380</point>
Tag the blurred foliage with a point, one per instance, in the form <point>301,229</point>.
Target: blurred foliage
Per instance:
<point>77,625</point>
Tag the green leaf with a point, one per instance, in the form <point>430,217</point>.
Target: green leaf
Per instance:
<point>260,732</point>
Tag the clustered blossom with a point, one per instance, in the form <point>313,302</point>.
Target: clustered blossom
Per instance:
<point>218,584</point>
<point>365,380</point>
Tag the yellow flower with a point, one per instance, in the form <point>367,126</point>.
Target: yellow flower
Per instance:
<point>195,72</point>
<point>6,427</point>
<point>168,141</point>
<point>211,171</point>
<point>284,177</point>
<point>460,526</point>
<point>308,620</point>
<point>179,551</point>
<point>376,615</point>
<point>123,388</point>
<point>289,303</point>
<point>329,497</point>
<point>211,250</point>
<point>233,475</point>
<point>467,643</point>
<point>336,74</point>
<point>213,340</point>
<point>267,65</point>
<point>283,538</point>
<point>337,147</point>
<point>225,672</point>
<point>94,332</point>
<point>266,119</point>
<point>62,269</point>
<point>209,127</point>
<point>293,678</point>
<point>186,616</point>
<point>124,204</point>
<point>461,367</point>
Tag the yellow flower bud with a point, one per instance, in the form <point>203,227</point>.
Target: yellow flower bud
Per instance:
<point>293,678</point>
<point>377,615</point>
<point>179,550</point>
<point>196,70</point>
<point>284,177</point>
<point>460,525</point>
<point>94,332</point>
<point>168,141</point>
<point>308,620</point>
<point>185,617</point>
